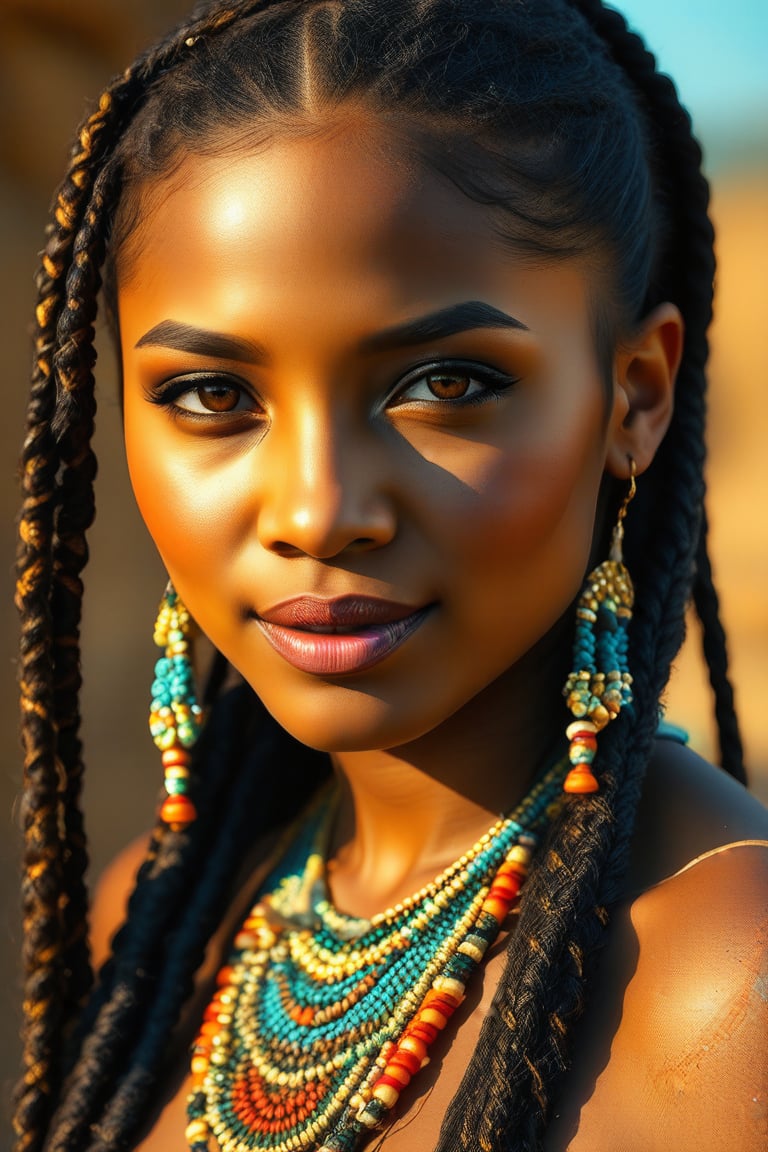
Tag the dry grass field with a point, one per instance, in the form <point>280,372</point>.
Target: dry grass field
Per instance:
<point>738,472</point>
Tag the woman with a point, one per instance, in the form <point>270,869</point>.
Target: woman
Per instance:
<point>409,301</point>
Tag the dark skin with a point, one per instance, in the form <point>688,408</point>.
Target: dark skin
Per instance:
<point>333,454</point>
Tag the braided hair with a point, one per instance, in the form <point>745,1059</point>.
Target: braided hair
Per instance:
<point>490,82</point>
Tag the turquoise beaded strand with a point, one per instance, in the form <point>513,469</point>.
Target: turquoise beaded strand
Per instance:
<point>320,1020</point>
<point>175,717</point>
<point>600,685</point>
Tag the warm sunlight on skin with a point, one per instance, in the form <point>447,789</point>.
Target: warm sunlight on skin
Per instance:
<point>287,448</point>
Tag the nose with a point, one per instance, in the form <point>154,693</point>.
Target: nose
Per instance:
<point>325,490</point>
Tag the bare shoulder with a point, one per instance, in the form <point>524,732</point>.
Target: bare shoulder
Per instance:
<point>700,917</point>
<point>111,897</point>
<point>696,1009</point>
<point>677,1026</point>
<point>689,808</point>
<point>700,908</point>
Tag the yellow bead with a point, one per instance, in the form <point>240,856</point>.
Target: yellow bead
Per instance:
<point>450,986</point>
<point>519,854</point>
<point>433,1017</point>
<point>197,1130</point>
<point>387,1094</point>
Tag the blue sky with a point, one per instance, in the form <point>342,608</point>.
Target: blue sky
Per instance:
<point>717,53</point>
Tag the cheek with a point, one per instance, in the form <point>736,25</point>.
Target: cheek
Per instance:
<point>515,499</point>
<point>185,500</point>
<point>520,524</point>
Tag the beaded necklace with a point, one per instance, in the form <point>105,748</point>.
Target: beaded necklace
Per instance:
<point>320,1019</point>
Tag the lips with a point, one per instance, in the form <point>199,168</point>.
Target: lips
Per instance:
<point>333,637</point>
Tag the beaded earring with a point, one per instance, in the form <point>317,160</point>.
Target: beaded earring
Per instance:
<point>601,685</point>
<point>175,716</point>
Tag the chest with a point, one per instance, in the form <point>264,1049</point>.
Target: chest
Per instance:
<point>420,1113</point>
<point>646,1070</point>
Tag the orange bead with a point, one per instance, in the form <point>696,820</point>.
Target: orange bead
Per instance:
<point>496,907</point>
<point>434,1017</point>
<point>199,1069</point>
<point>407,1060</point>
<point>178,811</point>
<point>422,1030</point>
<point>580,781</point>
<point>505,886</point>
<point>443,1002</point>
<point>304,1015</point>
<point>173,757</point>
<point>414,1045</point>
<point>397,1073</point>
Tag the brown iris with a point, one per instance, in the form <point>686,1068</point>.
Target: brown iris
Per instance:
<point>218,397</point>
<point>447,387</point>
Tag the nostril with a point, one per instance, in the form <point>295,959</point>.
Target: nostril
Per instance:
<point>283,548</point>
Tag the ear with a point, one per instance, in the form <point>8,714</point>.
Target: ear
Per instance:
<point>644,371</point>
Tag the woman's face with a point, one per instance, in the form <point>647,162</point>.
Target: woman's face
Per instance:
<point>365,437</point>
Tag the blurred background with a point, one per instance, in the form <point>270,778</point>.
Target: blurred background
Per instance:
<point>54,58</point>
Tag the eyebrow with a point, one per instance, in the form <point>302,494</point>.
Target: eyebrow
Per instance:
<point>465,317</point>
<point>202,342</point>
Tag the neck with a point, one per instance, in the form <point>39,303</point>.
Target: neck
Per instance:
<point>406,813</point>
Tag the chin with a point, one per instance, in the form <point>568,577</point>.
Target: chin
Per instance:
<point>333,718</point>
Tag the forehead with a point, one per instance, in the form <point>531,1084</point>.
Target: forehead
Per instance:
<point>350,215</point>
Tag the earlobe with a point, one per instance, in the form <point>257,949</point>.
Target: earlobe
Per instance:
<point>644,382</point>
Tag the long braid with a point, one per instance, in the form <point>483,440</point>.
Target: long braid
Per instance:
<point>523,1043</point>
<point>126,987</point>
<point>175,907</point>
<point>256,802</point>
<point>696,266</point>
<point>672,492</point>
<point>73,364</point>
<point>716,655</point>
<point>45,853</point>
<point>56,464</point>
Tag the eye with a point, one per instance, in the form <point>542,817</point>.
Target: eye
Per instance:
<point>451,383</point>
<point>215,396</point>
<point>206,395</point>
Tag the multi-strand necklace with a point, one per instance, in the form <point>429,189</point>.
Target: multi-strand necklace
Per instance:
<point>320,1019</point>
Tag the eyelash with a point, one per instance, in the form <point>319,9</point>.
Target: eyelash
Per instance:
<point>493,385</point>
<point>166,394</point>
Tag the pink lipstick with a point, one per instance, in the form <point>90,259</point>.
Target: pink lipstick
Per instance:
<point>333,637</point>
